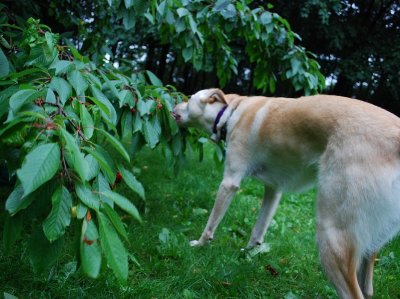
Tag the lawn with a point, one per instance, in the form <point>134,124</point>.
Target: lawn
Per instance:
<point>163,265</point>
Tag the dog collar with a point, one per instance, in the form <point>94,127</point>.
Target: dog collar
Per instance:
<point>217,119</point>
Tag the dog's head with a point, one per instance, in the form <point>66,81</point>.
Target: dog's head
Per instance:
<point>201,109</point>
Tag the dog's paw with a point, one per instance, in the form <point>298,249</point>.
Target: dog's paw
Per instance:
<point>200,242</point>
<point>195,243</point>
<point>249,252</point>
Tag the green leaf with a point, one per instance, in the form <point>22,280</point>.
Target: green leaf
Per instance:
<point>42,253</point>
<point>266,18</point>
<point>132,182</point>
<point>113,248</point>
<point>50,39</point>
<point>50,96</point>
<point>137,123</point>
<point>15,202</point>
<point>149,17</point>
<point>26,72</point>
<point>187,53</point>
<point>81,210</point>
<point>182,12</point>
<point>116,221</point>
<point>110,84</point>
<point>62,87</point>
<point>11,232</point>
<point>4,65</point>
<point>229,11</point>
<point>21,97</point>
<point>126,97</point>
<point>77,158</point>
<point>3,41</point>
<point>60,216</point>
<point>126,126</point>
<point>62,66</point>
<point>106,164</point>
<point>151,134</point>
<point>170,120</point>
<point>90,249</point>
<point>129,3</point>
<point>86,195</point>
<point>221,5</point>
<point>15,135</point>
<point>87,121</point>
<point>101,185</point>
<point>94,167</point>
<point>272,85</point>
<point>110,112</point>
<point>129,18</point>
<point>39,166</point>
<point>115,143</point>
<point>40,55</point>
<point>180,25</point>
<point>9,296</point>
<point>78,82</point>
<point>140,6</point>
<point>193,24</point>
<point>104,109</point>
<point>124,203</point>
<point>296,65</point>
<point>161,7</point>
<point>74,51</point>
<point>153,79</point>
<point>95,81</point>
<point>144,107</point>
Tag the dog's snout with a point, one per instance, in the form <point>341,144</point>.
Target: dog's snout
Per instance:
<point>175,115</point>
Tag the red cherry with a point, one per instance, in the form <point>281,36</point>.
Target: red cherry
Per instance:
<point>118,178</point>
<point>87,241</point>
<point>88,216</point>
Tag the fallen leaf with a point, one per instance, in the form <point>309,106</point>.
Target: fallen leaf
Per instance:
<point>271,270</point>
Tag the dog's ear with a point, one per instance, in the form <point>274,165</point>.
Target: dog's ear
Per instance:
<point>216,95</point>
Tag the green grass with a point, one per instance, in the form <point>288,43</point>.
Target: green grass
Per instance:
<point>175,212</point>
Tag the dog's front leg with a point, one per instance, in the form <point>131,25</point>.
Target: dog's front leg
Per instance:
<point>226,191</point>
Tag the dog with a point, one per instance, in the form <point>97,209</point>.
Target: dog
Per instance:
<point>348,149</point>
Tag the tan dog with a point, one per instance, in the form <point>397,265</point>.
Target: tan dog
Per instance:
<point>351,149</point>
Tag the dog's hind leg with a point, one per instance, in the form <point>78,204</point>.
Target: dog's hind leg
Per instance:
<point>339,259</point>
<point>365,275</point>
<point>268,208</point>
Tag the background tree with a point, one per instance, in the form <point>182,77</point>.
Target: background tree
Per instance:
<point>357,44</point>
<point>190,44</point>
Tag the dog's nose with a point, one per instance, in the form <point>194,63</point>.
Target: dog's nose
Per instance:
<point>175,115</point>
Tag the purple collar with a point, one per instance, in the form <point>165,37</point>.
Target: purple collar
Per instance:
<point>217,119</point>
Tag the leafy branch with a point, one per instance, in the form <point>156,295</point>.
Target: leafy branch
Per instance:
<point>73,133</point>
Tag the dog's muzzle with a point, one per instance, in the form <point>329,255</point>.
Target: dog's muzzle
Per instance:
<point>176,116</point>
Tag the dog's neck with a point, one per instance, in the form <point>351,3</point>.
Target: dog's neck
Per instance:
<point>219,127</point>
